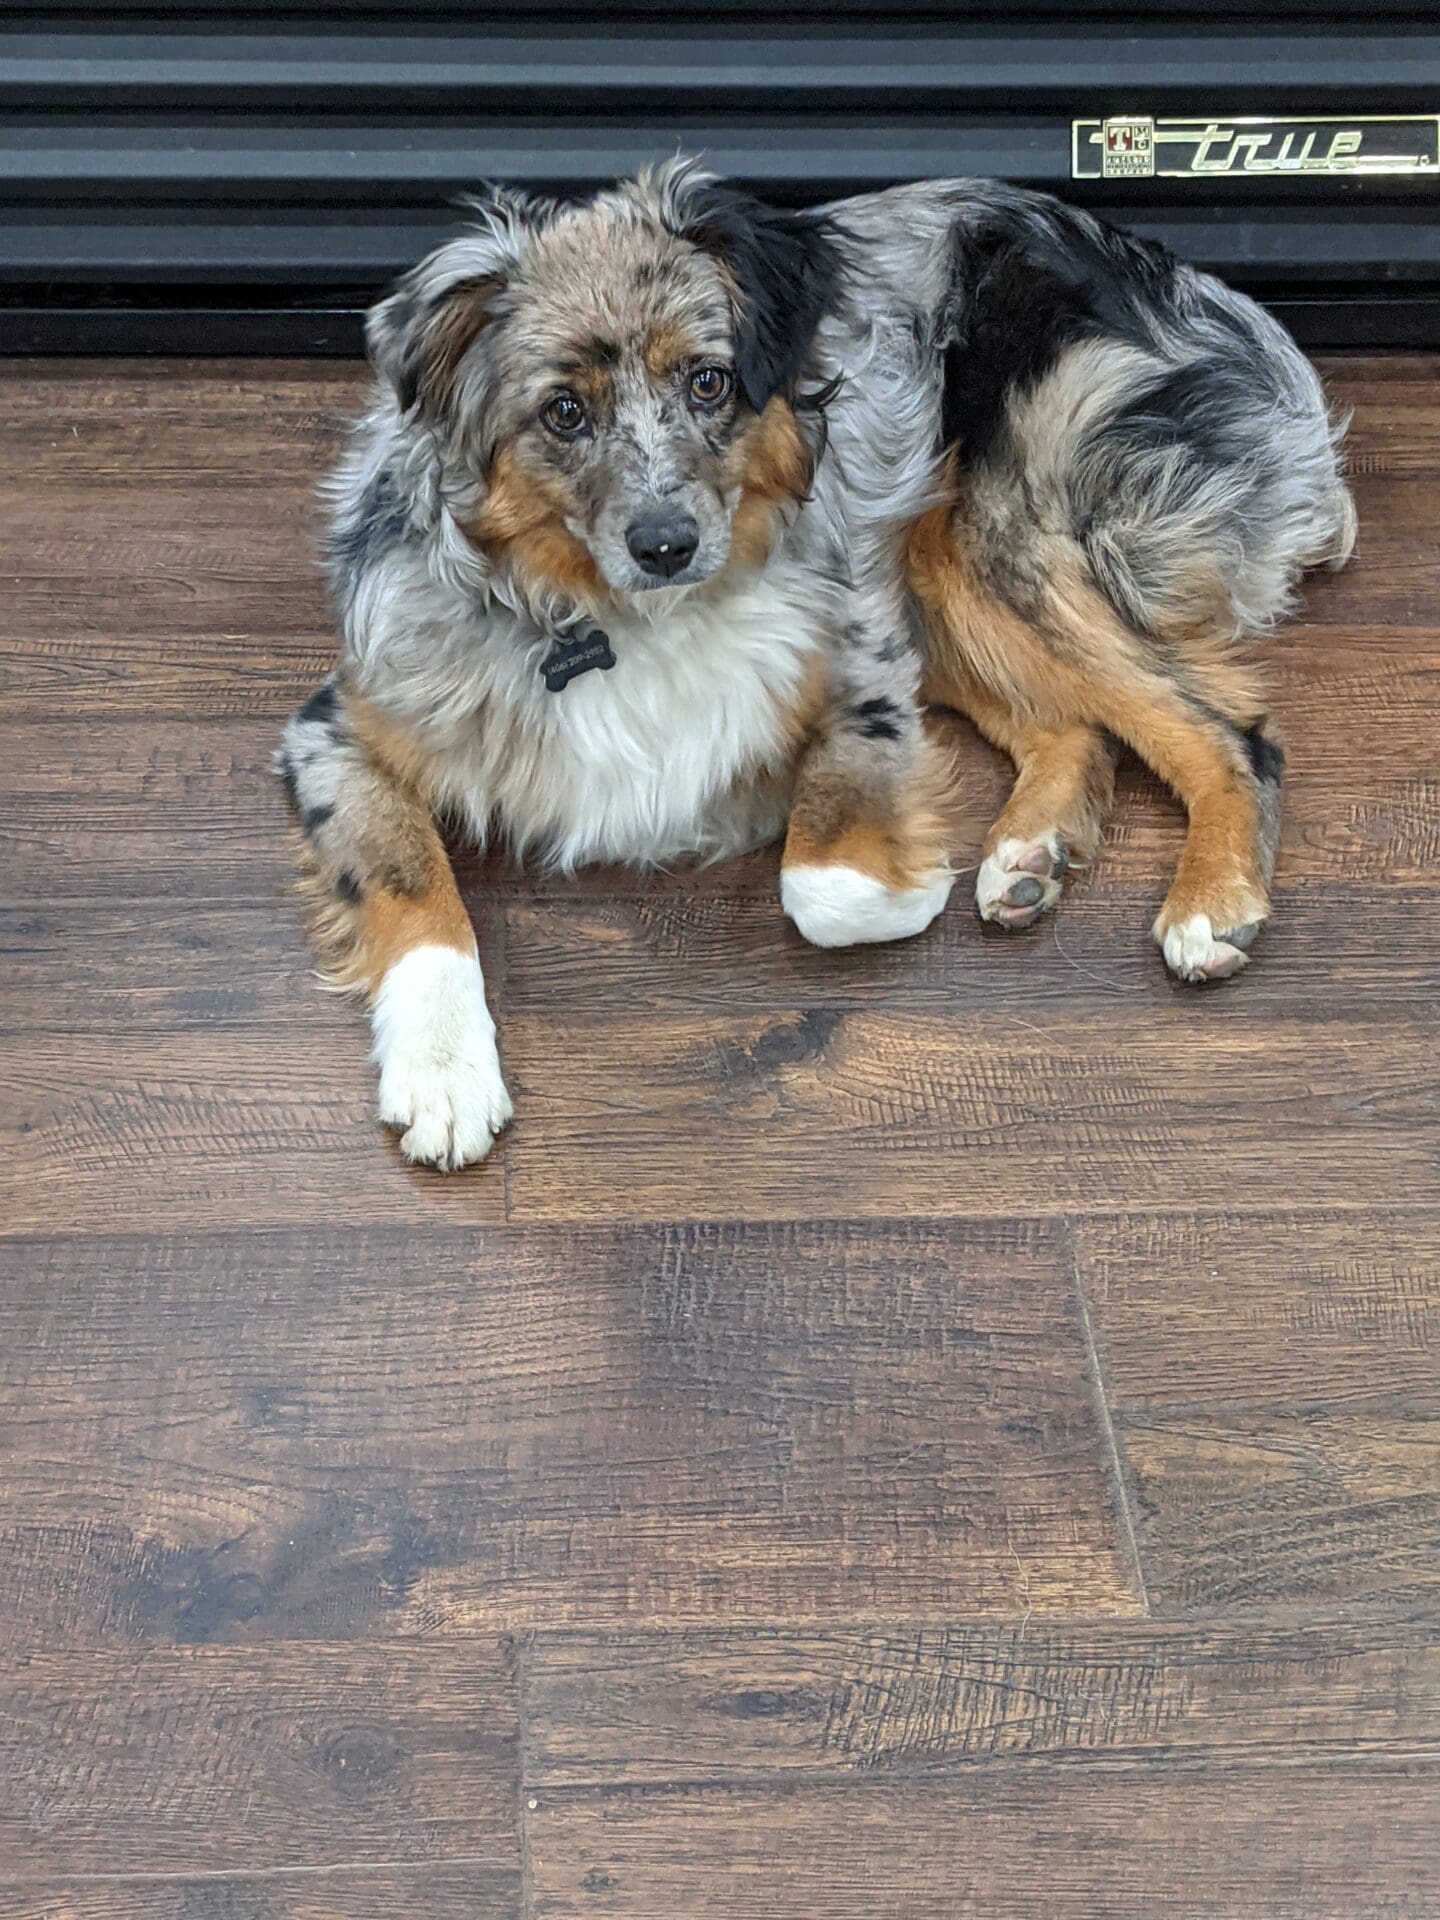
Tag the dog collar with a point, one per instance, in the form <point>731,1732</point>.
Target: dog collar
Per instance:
<point>572,654</point>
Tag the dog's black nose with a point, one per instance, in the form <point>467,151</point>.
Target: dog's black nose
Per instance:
<point>664,544</point>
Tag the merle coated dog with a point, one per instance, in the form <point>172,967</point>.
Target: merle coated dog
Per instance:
<point>672,511</point>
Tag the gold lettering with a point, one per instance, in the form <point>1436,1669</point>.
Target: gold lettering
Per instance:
<point>1343,148</point>
<point>1301,160</point>
<point>1202,163</point>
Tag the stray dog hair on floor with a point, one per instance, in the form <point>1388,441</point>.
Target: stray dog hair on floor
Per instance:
<point>672,511</point>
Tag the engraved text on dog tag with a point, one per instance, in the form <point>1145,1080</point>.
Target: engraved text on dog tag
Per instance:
<point>567,658</point>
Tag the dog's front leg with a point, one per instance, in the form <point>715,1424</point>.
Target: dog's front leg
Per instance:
<point>866,857</point>
<point>388,920</point>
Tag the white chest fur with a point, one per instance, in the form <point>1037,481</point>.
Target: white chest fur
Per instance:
<point>655,757</point>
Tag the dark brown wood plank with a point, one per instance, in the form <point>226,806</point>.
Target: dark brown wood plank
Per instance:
<point>153,674</point>
<point>710,1115</point>
<point>177,500</point>
<point>206,1126</point>
<point>1243,1510</point>
<point>180,967</point>
<point>199,424</point>
<point>675,1708</point>
<point>1276,1396</point>
<point>365,1893</point>
<point>145,809</point>
<point>689,950</point>
<point>1293,1309</point>
<point>172,794</point>
<point>213,1760</point>
<point>142,810</point>
<point>77,561</point>
<point>1391,579</point>
<point>1029,1842</point>
<point>351,1433</point>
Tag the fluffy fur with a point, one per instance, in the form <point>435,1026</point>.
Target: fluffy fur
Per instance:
<point>953,442</point>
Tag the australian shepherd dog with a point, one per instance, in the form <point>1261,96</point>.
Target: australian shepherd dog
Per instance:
<point>672,511</point>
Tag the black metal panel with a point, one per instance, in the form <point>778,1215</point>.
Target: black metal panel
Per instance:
<point>251,176</point>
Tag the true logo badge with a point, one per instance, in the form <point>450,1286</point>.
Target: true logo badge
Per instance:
<point>1138,147</point>
<point>1128,150</point>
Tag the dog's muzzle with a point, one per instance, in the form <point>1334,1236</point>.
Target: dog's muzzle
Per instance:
<point>663,544</point>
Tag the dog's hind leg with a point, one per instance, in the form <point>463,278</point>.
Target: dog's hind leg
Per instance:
<point>388,921</point>
<point>1228,773</point>
<point>1076,672</point>
<point>1056,813</point>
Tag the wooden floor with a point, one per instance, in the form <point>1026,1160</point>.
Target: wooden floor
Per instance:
<point>945,1430</point>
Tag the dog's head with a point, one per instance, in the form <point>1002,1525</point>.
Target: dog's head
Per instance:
<point>621,377</point>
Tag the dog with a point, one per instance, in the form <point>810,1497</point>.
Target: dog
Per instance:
<point>671,513</point>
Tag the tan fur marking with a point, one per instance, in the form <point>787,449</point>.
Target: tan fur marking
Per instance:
<point>389,745</point>
<point>378,880</point>
<point>1065,775</point>
<point>358,941</point>
<point>774,468</point>
<point>975,637</point>
<point>899,841</point>
<point>667,347</point>
<point>452,332</point>
<point>808,705</point>
<point>592,380</point>
<point>519,522</point>
<point>391,924</point>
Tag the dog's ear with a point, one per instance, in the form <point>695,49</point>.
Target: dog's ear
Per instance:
<point>419,335</point>
<point>784,270</point>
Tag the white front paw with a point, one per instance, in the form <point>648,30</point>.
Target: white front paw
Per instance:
<point>440,1080</point>
<point>835,906</point>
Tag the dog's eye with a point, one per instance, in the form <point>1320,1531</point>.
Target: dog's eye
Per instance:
<point>709,386</point>
<point>565,415</point>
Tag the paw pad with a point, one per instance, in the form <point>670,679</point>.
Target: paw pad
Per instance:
<point>1020,880</point>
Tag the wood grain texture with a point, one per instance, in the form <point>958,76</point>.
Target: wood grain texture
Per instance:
<point>1275,1385</point>
<point>158,800</point>
<point>1295,1309</point>
<point>213,1760</point>
<point>153,674</point>
<point>209,1127</point>
<point>160,558</point>
<point>944,1430</point>
<point>203,425</point>
<point>674,1708</point>
<point>196,964</point>
<point>360,1434</point>
<point>1026,1843</point>
<point>1176,1108</point>
<point>466,1892</point>
<point>698,951</point>
<point>1237,1511</point>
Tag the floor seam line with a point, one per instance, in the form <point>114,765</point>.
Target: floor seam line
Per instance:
<point>1115,1465</point>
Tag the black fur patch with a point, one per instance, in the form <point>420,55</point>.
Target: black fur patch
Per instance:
<point>1029,282</point>
<point>320,709</point>
<point>348,887</point>
<point>313,818</point>
<point>787,267</point>
<point>376,524</point>
<point>1267,756</point>
<point>877,719</point>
